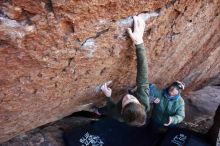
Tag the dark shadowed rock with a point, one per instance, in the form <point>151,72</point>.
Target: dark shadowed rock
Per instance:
<point>215,129</point>
<point>48,135</point>
<point>201,106</point>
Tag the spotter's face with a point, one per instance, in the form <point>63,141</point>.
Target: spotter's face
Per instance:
<point>173,91</point>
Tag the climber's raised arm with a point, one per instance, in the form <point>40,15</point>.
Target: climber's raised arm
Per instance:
<point>142,64</point>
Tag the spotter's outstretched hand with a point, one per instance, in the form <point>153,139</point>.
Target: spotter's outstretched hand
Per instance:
<point>170,122</point>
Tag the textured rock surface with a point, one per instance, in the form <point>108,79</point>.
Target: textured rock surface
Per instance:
<point>200,108</point>
<point>53,54</point>
<point>202,103</point>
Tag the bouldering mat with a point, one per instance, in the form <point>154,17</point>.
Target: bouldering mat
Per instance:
<point>109,132</point>
<point>182,137</point>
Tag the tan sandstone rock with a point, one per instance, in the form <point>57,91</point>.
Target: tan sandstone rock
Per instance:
<point>53,54</point>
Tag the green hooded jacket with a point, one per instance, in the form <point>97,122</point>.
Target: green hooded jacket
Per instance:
<point>167,107</point>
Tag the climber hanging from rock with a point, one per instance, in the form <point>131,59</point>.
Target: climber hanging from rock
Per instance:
<point>169,107</point>
<point>132,108</point>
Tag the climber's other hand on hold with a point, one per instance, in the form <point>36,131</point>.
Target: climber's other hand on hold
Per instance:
<point>106,90</point>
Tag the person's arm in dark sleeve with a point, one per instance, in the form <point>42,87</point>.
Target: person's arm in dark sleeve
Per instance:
<point>142,76</point>
<point>142,66</point>
<point>108,93</point>
<point>107,108</point>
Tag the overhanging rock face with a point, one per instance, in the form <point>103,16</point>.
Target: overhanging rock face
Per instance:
<point>54,54</point>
